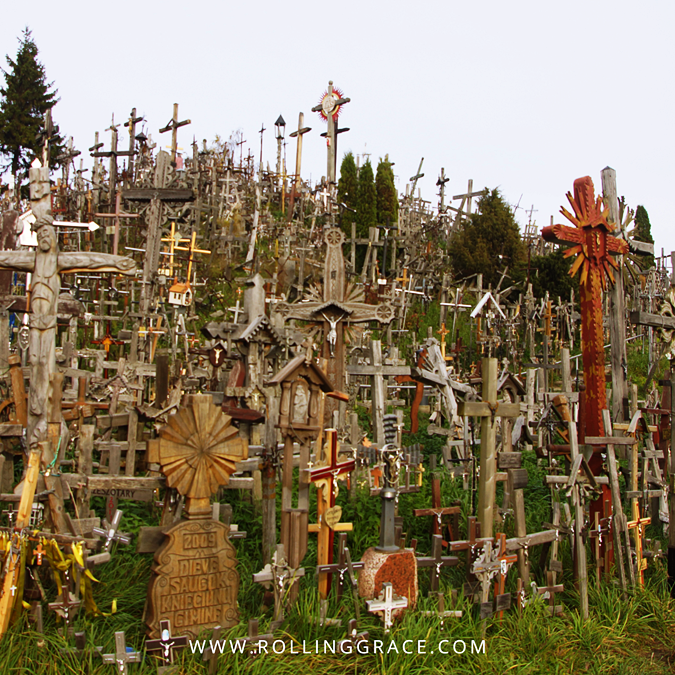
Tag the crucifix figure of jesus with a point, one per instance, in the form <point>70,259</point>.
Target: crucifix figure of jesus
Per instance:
<point>46,265</point>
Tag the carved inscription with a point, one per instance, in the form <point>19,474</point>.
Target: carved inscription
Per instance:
<point>195,582</point>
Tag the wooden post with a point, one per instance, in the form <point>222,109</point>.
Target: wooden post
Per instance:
<point>617,320</point>
<point>579,547</point>
<point>7,597</point>
<point>18,389</point>
<point>84,468</point>
<point>521,531</point>
<point>488,454</point>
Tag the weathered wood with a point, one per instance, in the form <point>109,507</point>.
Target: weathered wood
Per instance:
<point>9,582</point>
<point>521,531</point>
<point>580,546</point>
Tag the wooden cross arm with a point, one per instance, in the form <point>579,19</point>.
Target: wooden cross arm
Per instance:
<point>482,409</point>
<point>339,527</point>
<point>563,235</point>
<point>100,262</point>
<point>445,561</point>
<point>653,320</point>
<point>438,512</point>
<point>336,567</point>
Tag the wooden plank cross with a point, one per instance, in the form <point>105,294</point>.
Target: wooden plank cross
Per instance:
<point>121,657</point>
<point>166,644</point>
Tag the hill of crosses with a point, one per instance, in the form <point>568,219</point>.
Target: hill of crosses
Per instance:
<point>265,388</point>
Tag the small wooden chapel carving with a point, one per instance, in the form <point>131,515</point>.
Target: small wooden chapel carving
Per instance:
<point>195,582</point>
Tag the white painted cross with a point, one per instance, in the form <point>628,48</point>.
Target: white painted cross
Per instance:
<point>386,603</point>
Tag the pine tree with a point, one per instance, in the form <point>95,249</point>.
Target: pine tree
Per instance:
<point>348,192</point>
<point>643,232</point>
<point>26,97</point>
<point>387,197</point>
<point>488,242</point>
<point>366,201</point>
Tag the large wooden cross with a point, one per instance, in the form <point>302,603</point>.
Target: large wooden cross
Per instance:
<point>340,303</point>
<point>489,409</point>
<point>46,266</point>
<point>592,242</point>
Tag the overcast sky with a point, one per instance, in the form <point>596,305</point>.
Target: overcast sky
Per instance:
<point>521,95</point>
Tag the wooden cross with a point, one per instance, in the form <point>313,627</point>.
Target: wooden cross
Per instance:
<point>327,491</point>
<point>173,125</point>
<point>210,654</point>
<point>437,561</point>
<point>341,567</point>
<point>354,639</point>
<point>117,214</point>
<point>490,563</point>
<point>442,180</point>
<point>66,604</point>
<point>443,332</point>
<point>601,528</point>
<point>39,552</point>
<point>592,242</point>
<point>121,657</point>
<point>46,265</point>
<point>254,638</point>
<point>466,199</point>
<point>113,153</point>
<point>489,409</point>
<point>111,534</point>
<point>436,509</point>
<point>638,525</point>
<point>386,603</point>
<point>443,613</point>
<point>131,125</point>
<point>167,644</point>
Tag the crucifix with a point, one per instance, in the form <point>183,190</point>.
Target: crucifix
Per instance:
<point>342,302</point>
<point>490,563</point>
<point>166,644</point>
<point>326,477</point>
<point>489,409</point>
<point>173,125</point>
<point>111,534</point>
<point>342,566</point>
<point>46,265</point>
<point>66,605</point>
<point>436,561</point>
<point>121,657</point>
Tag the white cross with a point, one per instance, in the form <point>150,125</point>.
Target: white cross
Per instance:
<point>386,603</point>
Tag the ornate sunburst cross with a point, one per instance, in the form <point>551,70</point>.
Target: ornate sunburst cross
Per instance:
<point>197,451</point>
<point>592,242</point>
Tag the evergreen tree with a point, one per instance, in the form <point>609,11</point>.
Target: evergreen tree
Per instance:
<point>366,201</point>
<point>643,232</point>
<point>488,241</point>
<point>26,97</point>
<point>387,197</point>
<point>348,192</point>
<point>552,273</point>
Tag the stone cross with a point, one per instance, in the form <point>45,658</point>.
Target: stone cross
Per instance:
<point>386,603</point>
<point>121,657</point>
<point>47,265</point>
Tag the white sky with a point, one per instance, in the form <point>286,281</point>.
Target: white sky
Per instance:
<point>524,95</point>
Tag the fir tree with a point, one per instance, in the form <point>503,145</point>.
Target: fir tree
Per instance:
<point>643,232</point>
<point>488,241</point>
<point>387,197</point>
<point>26,97</point>
<point>348,192</point>
<point>366,201</point>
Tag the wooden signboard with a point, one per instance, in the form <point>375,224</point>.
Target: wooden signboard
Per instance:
<point>195,583</point>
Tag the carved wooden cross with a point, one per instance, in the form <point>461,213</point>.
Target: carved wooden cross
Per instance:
<point>121,657</point>
<point>167,644</point>
<point>46,265</point>
<point>592,242</point>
